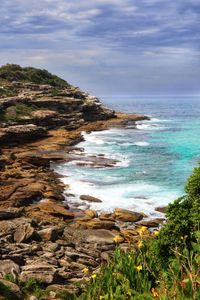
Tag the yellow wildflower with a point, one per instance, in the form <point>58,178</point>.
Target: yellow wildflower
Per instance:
<point>118,239</point>
<point>142,230</point>
<point>140,244</point>
<point>94,276</point>
<point>101,298</point>
<point>85,270</point>
<point>156,232</point>
<point>138,268</point>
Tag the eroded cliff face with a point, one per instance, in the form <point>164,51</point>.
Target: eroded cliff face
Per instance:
<point>41,237</point>
<point>35,109</point>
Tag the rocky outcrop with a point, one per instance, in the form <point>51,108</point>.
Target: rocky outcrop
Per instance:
<point>41,236</point>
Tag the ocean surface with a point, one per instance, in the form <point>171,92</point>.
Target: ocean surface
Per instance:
<point>154,159</point>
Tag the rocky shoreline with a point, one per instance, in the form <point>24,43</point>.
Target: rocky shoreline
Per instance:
<point>41,236</point>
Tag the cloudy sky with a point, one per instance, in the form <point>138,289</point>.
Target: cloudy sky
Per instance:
<point>108,47</point>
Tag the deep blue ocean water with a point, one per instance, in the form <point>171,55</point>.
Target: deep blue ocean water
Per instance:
<point>155,158</point>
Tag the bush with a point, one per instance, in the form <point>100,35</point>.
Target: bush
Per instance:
<point>183,220</point>
<point>12,72</point>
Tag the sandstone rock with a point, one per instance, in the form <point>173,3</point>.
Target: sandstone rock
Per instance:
<point>97,224</point>
<point>21,133</point>
<point>127,215</point>
<point>8,267</point>
<point>55,209</point>
<point>89,198</point>
<point>161,209</point>
<point>106,216</point>
<point>91,213</point>
<point>152,223</point>
<point>49,234</point>
<point>39,271</point>
<point>100,236</point>
<point>23,233</point>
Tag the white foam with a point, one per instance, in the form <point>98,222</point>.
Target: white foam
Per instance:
<point>141,197</point>
<point>151,126</point>
<point>92,139</point>
<point>141,144</point>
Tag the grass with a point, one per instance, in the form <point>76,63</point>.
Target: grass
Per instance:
<point>136,276</point>
<point>17,112</point>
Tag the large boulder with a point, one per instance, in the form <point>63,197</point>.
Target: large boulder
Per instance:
<point>127,215</point>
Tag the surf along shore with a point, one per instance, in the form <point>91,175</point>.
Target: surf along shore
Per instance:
<point>41,237</point>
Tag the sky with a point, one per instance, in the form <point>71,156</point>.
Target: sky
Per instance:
<point>107,47</point>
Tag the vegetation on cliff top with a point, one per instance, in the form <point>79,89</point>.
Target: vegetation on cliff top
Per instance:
<point>13,72</point>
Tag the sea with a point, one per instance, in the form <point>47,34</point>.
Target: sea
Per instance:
<point>154,157</point>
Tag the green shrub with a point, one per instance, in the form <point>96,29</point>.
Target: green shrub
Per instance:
<point>183,220</point>
<point>6,292</point>
<point>12,72</point>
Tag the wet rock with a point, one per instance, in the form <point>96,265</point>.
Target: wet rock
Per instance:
<point>89,198</point>
<point>161,209</point>
<point>127,215</point>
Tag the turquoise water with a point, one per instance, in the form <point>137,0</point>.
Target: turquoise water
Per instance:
<point>155,158</point>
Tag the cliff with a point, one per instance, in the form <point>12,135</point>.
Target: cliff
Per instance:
<point>41,119</point>
<point>31,109</point>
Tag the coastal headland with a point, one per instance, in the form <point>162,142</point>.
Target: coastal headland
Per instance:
<point>42,118</point>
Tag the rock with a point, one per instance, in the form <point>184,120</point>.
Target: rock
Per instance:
<point>106,216</point>
<point>49,234</point>
<point>23,233</point>
<point>161,209</point>
<point>91,213</point>
<point>33,298</point>
<point>97,224</point>
<point>8,267</point>
<point>127,215</point>
<point>55,209</point>
<point>100,236</point>
<point>10,213</point>
<point>89,198</point>
<point>152,223</point>
<point>21,133</point>
<point>14,288</point>
<point>39,271</point>
<point>71,289</point>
